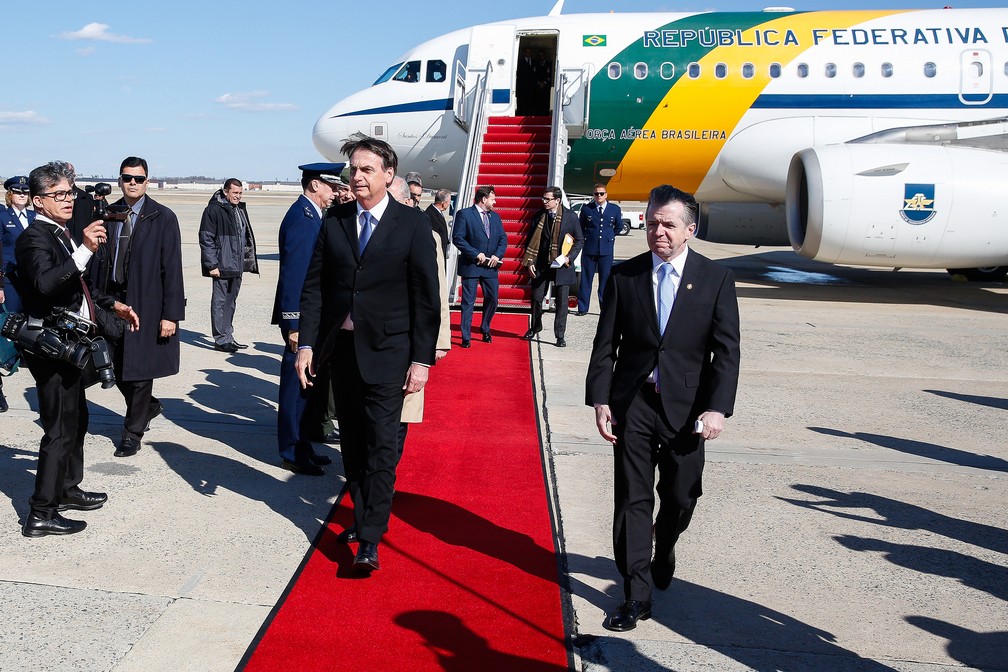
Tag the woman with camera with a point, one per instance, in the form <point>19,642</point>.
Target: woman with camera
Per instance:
<point>51,277</point>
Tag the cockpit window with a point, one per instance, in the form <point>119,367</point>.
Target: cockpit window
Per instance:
<point>409,72</point>
<point>437,71</point>
<point>387,75</point>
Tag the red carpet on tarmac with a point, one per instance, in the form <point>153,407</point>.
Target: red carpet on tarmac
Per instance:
<point>469,577</point>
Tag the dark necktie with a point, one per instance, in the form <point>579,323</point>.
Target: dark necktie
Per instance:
<point>68,241</point>
<point>122,246</point>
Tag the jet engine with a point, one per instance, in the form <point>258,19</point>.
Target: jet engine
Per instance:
<point>899,205</point>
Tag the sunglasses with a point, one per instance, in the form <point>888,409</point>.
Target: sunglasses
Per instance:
<point>600,193</point>
<point>139,179</point>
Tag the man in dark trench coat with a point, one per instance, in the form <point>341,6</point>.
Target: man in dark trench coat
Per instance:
<point>141,265</point>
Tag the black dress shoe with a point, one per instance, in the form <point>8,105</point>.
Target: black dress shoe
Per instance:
<point>3,403</point>
<point>320,460</point>
<point>347,536</point>
<point>127,447</point>
<point>367,557</point>
<point>155,409</point>
<point>627,614</point>
<point>305,468</point>
<point>581,313</point>
<point>487,338</point>
<point>561,343</point>
<point>240,346</point>
<point>79,500</point>
<point>226,347</point>
<point>465,344</point>
<point>36,526</point>
<point>529,335</point>
<point>331,437</point>
<point>662,572</point>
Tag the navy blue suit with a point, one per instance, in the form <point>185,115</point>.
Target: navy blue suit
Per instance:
<point>599,228</point>
<point>298,232</point>
<point>11,226</point>
<point>471,239</point>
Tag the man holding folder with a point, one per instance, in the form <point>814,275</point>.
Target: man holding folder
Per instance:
<point>555,240</point>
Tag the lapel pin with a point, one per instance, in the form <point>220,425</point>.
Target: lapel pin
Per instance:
<point>689,286</point>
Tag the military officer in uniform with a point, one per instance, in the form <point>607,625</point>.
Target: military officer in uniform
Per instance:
<point>600,220</point>
<point>301,408</point>
<point>14,219</point>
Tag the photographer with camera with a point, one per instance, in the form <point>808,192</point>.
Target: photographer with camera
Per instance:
<point>51,278</point>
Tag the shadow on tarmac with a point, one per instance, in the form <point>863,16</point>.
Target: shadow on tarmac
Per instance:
<point>993,402</point>
<point>984,650</point>
<point>931,451</point>
<point>761,638</point>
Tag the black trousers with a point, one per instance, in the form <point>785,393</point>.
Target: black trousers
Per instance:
<point>560,292</point>
<point>368,416</point>
<point>645,440</point>
<point>64,415</point>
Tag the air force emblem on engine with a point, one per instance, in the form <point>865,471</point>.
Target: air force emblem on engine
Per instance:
<point>918,203</point>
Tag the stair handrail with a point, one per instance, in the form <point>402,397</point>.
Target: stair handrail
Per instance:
<point>558,134</point>
<point>470,171</point>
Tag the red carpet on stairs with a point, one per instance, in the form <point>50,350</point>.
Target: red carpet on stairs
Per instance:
<point>469,578</point>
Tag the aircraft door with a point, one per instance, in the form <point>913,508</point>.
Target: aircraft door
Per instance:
<point>494,44</point>
<point>976,77</point>
<point>576,91</point>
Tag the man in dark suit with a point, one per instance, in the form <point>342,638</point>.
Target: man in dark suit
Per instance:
<point>436,214</point>
<point>370,311</point>
<point>300,411</point>
<point>51,276</point>
<point>600,220</point>
<point>478,233</point>
<point>547,261</point>
<point>143,267</point>
<point>662,378</point>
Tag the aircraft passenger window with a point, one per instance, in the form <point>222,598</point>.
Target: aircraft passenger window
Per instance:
<point>831,70</point>
<point>1006,67</point>
<point>858,70</point>
<point>720,70</point>
<point>387,75</point>
<point>803,70</point>
<point>748,70</point>
<point>640,70</point>
<point>615,70</point>
<point>930,69</point>
<point>693,70</point>
<point>887,70</point>
<point>410,72</point>
<point>976,69</point>
<point>437,71</point>
<point>667,70</point>
<point>775,70</point>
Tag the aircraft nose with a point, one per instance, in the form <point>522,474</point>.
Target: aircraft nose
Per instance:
<point>329,134</point>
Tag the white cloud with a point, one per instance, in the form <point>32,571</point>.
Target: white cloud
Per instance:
<point>27,118</point>
<point>99,31</point>
<point>250,102</point>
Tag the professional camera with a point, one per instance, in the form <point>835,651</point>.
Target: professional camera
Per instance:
<point>62,336</point>
<point>104,210</point>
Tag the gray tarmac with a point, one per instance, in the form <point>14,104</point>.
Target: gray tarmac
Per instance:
<point>853,518</point>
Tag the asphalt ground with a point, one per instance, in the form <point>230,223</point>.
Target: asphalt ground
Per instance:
<point>853,515</point>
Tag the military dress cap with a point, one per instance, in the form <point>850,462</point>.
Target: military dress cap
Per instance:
<point>327,172</point>
<point>16,183</point>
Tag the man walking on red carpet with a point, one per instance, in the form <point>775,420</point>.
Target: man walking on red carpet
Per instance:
<point>370,306</point>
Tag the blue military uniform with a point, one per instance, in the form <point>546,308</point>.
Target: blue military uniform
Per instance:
<point>599,227</point>
<point>298,231</point>
<point>11,226</point>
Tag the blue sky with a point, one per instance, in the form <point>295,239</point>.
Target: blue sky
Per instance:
<point>226,89</point>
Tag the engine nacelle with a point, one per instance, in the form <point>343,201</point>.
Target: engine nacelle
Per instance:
<point>899,205</point>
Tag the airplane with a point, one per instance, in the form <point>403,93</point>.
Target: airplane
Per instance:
<point>868,137</point>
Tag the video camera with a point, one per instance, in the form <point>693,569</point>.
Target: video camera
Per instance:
<point>104,210</point>
<point>62,336</point>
